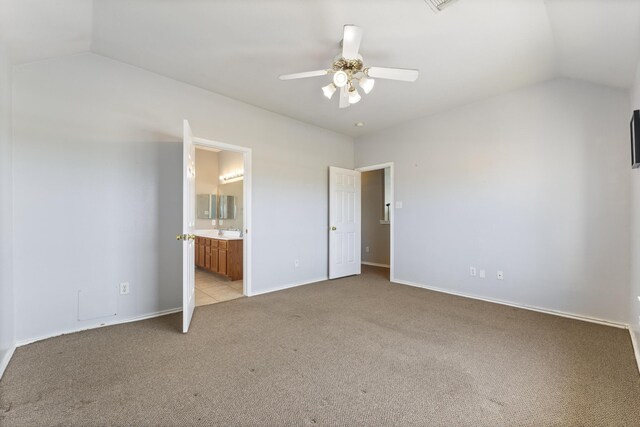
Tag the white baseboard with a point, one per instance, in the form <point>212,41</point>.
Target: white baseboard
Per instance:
<point>7,357</point>
<point>20,343</point>
<point>511,304</point>
<point>283,287</point>
<point>5,360</point>
<point>374,264</point>
<point>636,349</point>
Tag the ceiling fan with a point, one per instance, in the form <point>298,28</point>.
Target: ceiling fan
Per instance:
<point>348,69</point>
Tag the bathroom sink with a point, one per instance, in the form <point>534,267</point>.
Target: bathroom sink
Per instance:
<point>230,233</point>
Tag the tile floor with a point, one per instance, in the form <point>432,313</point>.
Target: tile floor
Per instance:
<point>212,288</point>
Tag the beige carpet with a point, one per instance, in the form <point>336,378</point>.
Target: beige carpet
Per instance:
<point>357,351</point>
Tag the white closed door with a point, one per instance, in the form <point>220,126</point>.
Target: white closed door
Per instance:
<point>188,226</point>
<point>344,222</point>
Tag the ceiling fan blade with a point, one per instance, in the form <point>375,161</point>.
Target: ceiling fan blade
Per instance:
<point>351,41</point>
<point>402,74</point>
<point>344,97</point>
<point>304,75</point>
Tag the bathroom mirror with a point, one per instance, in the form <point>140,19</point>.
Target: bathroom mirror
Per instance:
<point>227,207</point>
<point>206,206</point>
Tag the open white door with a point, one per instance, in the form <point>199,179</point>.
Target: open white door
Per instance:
<point>188,225</point>
<point>344,222</point>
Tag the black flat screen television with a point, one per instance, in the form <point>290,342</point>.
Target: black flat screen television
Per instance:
<point>635,140</point>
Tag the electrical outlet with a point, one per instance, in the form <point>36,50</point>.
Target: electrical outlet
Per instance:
<point>483,274</point>
<point>366,249</point>
<point>472,271</point>
<point>500,275</point>
<point>124,288</point>
<point>296,263</point>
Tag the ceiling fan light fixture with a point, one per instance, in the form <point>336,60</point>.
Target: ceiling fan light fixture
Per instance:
<point>329,90</point>
<point>340,79</point>
<point>354,96</point>
<point>348,70</point>
<point>366,84</point>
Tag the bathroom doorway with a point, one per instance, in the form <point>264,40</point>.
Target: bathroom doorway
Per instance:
<point>219,227</point>
<point>221,242</point>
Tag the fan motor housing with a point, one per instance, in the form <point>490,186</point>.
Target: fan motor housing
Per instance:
<point>351,66</point>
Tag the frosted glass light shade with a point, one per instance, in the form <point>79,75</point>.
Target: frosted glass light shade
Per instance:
<point>366,84</point>
<point>354,96</point>
<point>340,79</point>
<point>329,90</point>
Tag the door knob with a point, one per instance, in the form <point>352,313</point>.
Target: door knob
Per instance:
<point>186,237</point>
<point>333,229</point>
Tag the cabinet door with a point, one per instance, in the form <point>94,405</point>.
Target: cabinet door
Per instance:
<point>200,257</point>
<point>222,261</point>
<point>234,260</point>
<point>207,257</point>
<point>214,259</point>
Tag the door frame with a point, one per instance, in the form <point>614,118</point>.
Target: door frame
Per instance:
<point>392,211</point>
<point>246,216</point>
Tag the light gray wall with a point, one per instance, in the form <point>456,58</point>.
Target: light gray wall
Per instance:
<point>7,330</point>
<point>206,180</point>
<point>534,182</point>
<point>98,188</point>
<point>634,315</point>
<point>374,235</point>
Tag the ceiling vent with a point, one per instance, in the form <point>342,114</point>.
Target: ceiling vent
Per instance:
<point>438,5</point>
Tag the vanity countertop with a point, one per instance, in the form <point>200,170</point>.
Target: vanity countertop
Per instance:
<point>213,234</point>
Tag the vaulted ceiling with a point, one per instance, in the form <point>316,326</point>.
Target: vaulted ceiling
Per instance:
<point>472,50</point>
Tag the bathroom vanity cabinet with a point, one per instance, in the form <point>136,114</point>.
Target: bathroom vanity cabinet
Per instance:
<point>222,256</point>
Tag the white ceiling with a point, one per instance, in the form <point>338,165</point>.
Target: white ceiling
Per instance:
<point>472,50</point>
<point>597,40</point>
<point>40,29</point>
